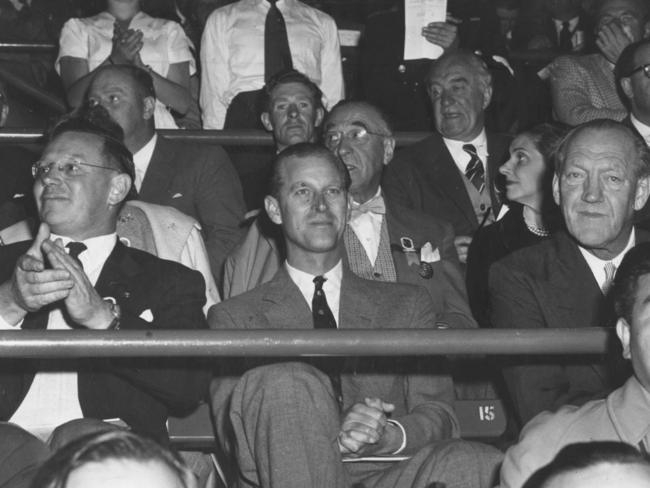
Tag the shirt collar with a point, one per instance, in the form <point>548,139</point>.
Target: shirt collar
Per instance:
<point>142,158</point>
<point>628,408</point>
<point>573,23</point>
<point>460,156</point>
<point>597,265</point>
<point>480,142</point>
<point>643,129</point>
<point>376,195</point>
<point>98,249</point>
<point>305,283</point>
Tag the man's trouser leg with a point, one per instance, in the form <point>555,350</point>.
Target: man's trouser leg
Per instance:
<point>286,423</point>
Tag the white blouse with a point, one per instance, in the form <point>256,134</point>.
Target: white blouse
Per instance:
<point>165,43</point>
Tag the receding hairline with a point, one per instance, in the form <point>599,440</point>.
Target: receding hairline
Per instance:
<point>460,58</point>
<point>372,115</point>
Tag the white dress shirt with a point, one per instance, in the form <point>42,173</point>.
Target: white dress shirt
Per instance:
<point>232,53</point>
<point>367,227</point>
<point>165,43</point>
<point>331,286</point>
<point>597,265</point>
<point>141,160</point>
<point>53,397</point>
<point>643,129</point>
<point>577,39</point>
<point>462,157</point>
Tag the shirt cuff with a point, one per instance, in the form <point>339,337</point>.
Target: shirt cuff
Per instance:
<point>403,445</point>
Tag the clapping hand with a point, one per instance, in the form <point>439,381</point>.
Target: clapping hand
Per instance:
<point>126,45</point>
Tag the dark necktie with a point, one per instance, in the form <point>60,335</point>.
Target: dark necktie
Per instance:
<point>474,171</point>
<point>74,249</point>
<point>565,38</point>
<point>324,319</point>
<point>277,55</point>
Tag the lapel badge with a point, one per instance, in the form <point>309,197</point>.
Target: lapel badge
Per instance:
<point>408,248</point>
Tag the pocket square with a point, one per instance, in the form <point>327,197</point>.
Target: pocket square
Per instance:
<point>147,315</point>
<point>18,195</point>
<point>177,195</point>
<point>428,254</point>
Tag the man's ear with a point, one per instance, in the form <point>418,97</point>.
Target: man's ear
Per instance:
<point>120,187</point>
<point>626,86</point>
<point>389,149</point>
<point>556,189</point>
<point>266,121</point>
<point>623,333</point>
<point>272,208</point>
<point>149,106</point>
<point>487,95</point>
<point>642,192</point>
<point>320,115</point>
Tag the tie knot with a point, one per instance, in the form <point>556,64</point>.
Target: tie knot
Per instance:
<point>565,25</point>
<point>470,149</point>
<point>75,248</point>
<point>318,281</point>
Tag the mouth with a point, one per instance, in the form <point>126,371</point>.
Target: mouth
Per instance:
<point>588,214</point>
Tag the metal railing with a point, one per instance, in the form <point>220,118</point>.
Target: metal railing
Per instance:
<point>282,343</point>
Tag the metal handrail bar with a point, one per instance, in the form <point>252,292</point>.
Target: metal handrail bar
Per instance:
<point>276,343</point>
<point>27,47</point>
<point>222,137</point>
<point>36,93</point>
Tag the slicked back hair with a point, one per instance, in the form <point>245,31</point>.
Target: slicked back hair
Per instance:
<point>304,150</point>
<point>462,56</point>
<point>289,76</point>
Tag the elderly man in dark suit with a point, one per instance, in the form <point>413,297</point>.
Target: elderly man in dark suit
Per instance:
<point>602,176</point>
<point>196,179</point>
<point>76,274</point>
<point>450,175</point>
<point>293,423</point>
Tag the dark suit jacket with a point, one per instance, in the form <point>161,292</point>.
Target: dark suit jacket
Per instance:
<point>423,398</point>
<point>446,287</point>
<point>200,181</point>
<point>424,177</point>
<point>142,392</point>
<point>550,285</point>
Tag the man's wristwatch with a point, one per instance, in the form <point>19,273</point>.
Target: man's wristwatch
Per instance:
<point>116,311</point>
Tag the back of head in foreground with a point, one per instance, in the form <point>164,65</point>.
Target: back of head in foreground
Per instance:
<point>594,465</point>
<point>116,458</point>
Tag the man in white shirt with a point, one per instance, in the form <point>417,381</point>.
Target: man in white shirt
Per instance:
<point>76,274</point>
<point>602,176</point>
<point>197,179</point>
<point>291,424</point>
<point>233,58</point>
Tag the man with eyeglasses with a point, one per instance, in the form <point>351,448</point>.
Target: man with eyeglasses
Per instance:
<point>383,240</point>
<point>311,423</point>
<point>633,74</point>
<point>76,274</point>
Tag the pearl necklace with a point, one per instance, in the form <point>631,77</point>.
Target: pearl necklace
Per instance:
<point>538,231</point>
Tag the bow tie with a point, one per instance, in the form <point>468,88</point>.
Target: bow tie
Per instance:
<point>374,205</point>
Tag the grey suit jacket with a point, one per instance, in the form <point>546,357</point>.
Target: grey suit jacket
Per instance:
<point>424,177</point>
<point>200,181</point>
<point>423,397</point>
<point>584,89</point>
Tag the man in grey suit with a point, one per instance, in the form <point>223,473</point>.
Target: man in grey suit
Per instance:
<point>197,179</point>
<point>292,424</point>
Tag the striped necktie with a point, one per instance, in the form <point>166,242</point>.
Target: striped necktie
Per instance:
<point>474,171</point>
<point>610,271</point>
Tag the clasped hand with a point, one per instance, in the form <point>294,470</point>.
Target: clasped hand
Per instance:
<point>365,429</point>
<point>34,286</point>
<point>126,46</point>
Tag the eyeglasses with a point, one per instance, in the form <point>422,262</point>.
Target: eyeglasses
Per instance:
<point>645,68</point>
<point>68,167</point>
<point>356,135</point>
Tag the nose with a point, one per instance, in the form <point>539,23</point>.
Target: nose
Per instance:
<point>506,168</point>
<point>446,99</point>
<point>320,202</point>
<point>592,191</point>
<point>293,111</point>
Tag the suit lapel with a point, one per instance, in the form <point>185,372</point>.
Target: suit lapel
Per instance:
<point>284,304</point>
<point>118,274</point>
<point>357,307</point>
<point>160,172</point>
<point>396,230</point>
<point>495,150</point>
<point>442,173</point>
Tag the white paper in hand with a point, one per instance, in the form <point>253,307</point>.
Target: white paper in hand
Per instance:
<point>417,14</point>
